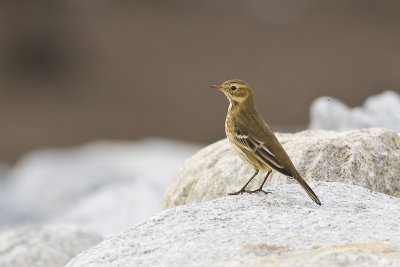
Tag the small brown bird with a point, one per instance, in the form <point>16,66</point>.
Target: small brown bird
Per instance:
<point>252,138</point>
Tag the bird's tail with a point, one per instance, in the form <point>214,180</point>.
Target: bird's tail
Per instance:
<point>307,188</point>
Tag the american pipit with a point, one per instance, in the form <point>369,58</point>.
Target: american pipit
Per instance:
<point>252,138</point>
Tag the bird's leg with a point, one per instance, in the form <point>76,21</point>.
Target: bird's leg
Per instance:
<point>241,191</point>
<point>261,186</point>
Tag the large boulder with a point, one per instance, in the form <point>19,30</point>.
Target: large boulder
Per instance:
<point>368,158</point>
<point>353,227</point>
<point>104,186</point>
<point>110,210</point>
<point>3,171</point>
<point>381,110</point>
<point>43,246</point>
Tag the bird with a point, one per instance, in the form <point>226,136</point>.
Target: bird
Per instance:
<point>253,139</point>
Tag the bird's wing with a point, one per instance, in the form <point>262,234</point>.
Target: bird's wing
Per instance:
<point>261,141</point>
<point>261,149</point>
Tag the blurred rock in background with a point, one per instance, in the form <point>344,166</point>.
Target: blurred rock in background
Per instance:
<point>379,111</point>
<point>3,169</point>
<point>103,187</point>
<point>43,246</point>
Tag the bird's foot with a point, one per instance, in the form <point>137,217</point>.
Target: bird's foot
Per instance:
<point>237,193</point>
<point>249,192</point>
<point>257,190</point>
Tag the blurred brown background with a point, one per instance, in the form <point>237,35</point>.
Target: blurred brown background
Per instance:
<point>74,71</point>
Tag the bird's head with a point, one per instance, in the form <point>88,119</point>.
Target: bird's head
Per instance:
<point>235,90</point>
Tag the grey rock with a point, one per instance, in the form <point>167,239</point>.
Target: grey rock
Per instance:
<point>112,209</point>
<point>353,227</point>
<point>3,171</point>
<point>43,246</point>
<point>381,111</point>
<point>60,184</point>
<point>368,158</point>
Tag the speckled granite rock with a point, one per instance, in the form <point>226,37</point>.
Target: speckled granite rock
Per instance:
<point>369,158</point>
<point>43,246</point>
<point>353,227</point>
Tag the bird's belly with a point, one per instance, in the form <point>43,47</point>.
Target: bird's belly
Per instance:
<point>251,159</point>
<point>247,156</point>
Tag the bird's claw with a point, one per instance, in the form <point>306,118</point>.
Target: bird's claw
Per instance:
<point>249,192</point>
<point>257,190</point>
<point>237,193</point>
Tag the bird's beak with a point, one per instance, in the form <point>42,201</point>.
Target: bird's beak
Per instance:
<point>215,86</point>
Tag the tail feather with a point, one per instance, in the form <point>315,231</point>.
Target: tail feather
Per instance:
<point>307,188</point>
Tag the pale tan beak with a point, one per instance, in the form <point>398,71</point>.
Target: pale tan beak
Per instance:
<point>215,86</point>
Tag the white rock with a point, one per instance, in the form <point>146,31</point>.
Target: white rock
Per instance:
<point>381,111</point>
<point>4,210</point>
<point>353,227</point>
<point>112,209</point>
<point>3,171</point>
<point>48,185</point>
<point>369,158</point>
<point>46,246</point>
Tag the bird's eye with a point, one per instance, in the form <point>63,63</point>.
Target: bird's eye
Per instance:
<point>233,88</point>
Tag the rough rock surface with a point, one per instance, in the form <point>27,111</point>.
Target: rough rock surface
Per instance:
<point>353,227</point>
<point>368,158</point>
<point>381,111</point>
<point>43,246</point>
